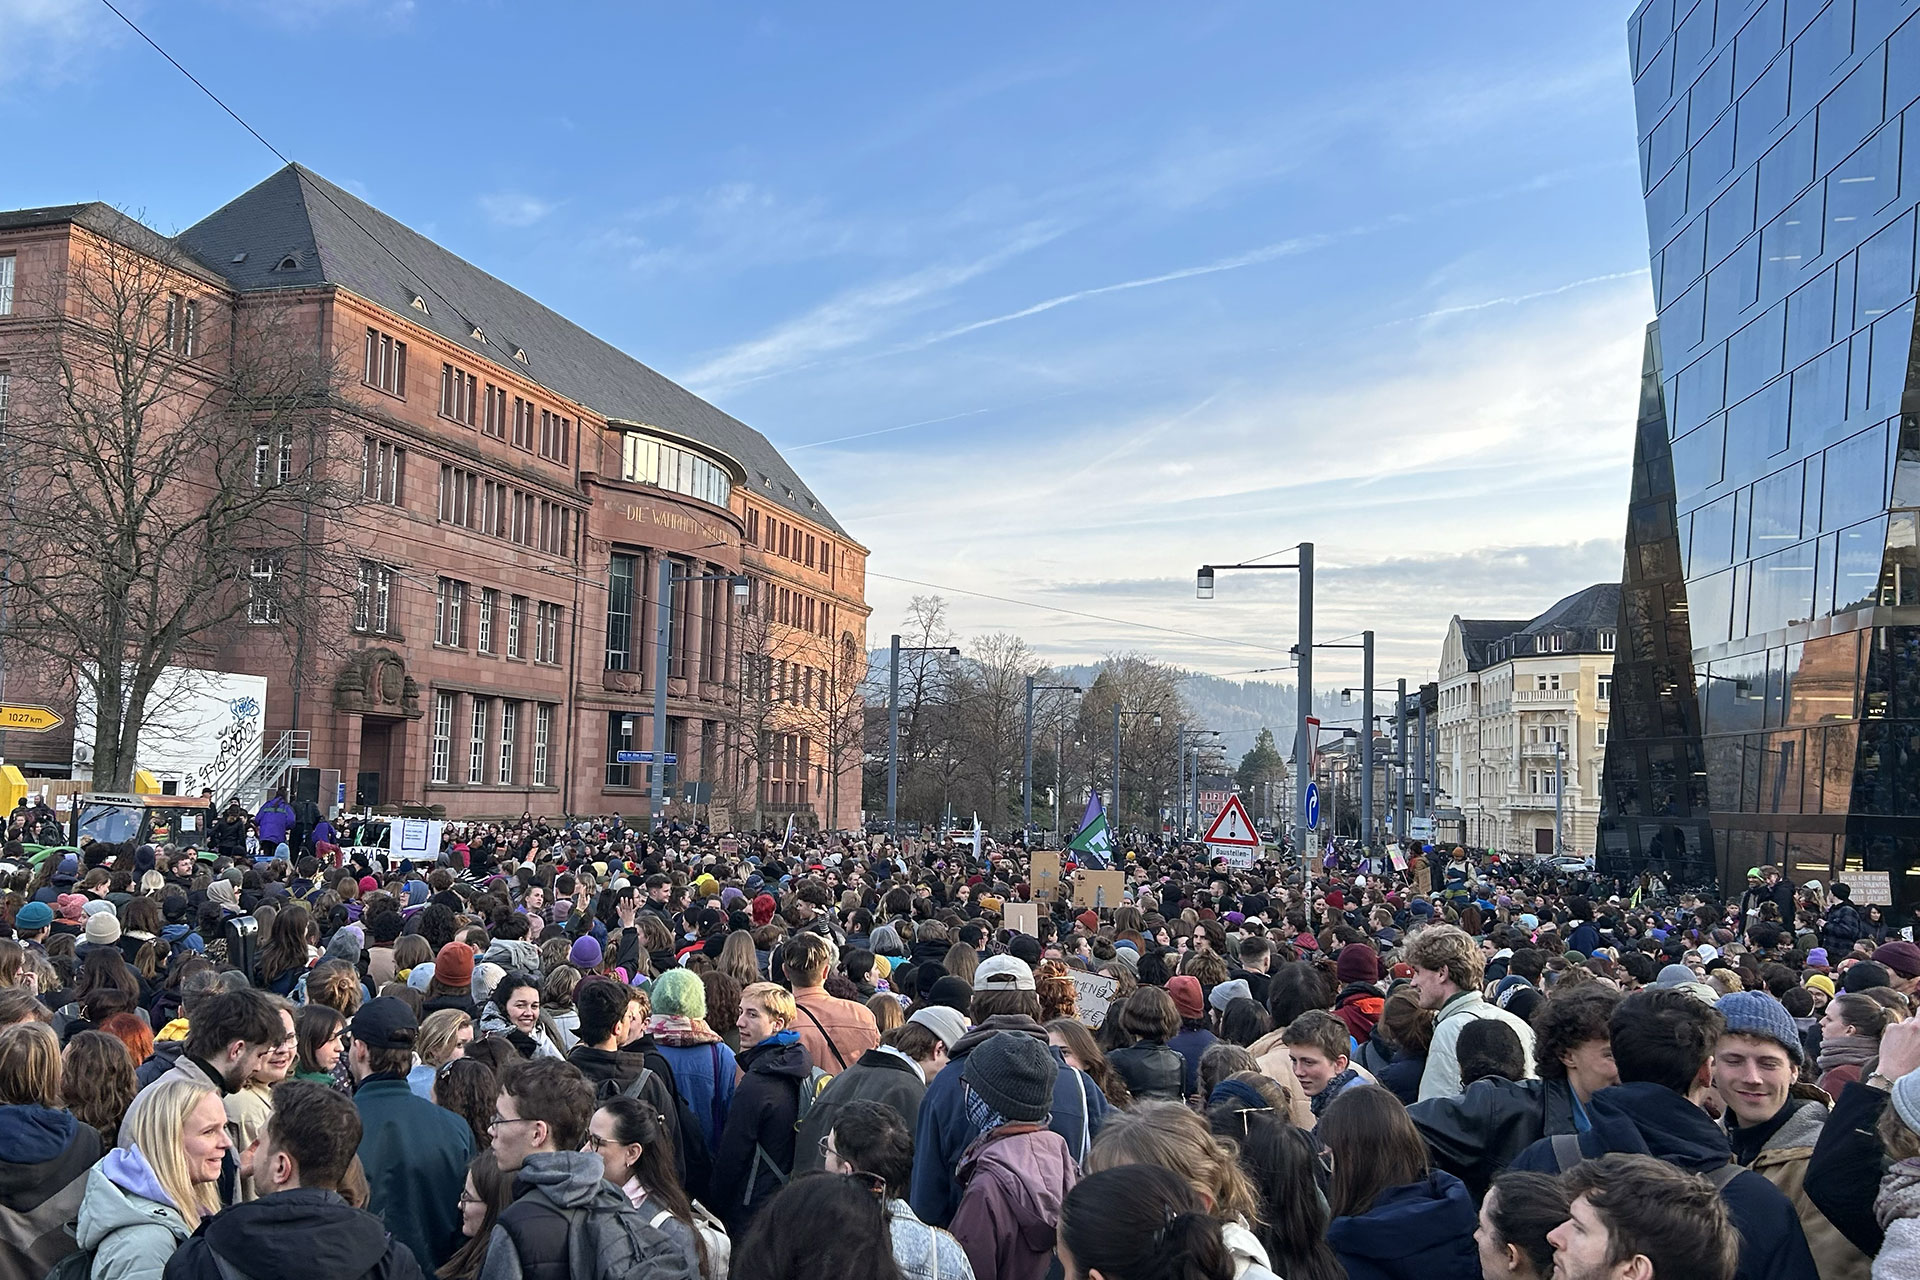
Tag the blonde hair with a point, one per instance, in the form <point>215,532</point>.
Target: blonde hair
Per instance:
<point>30,1065</point>
<point>1171,1136</point>
<point>156,1127</point>
<point>438,1032</point>
<point>1448,949</point>
<point>775,999</point>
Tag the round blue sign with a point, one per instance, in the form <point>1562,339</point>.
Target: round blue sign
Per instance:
<point>1313,806</point>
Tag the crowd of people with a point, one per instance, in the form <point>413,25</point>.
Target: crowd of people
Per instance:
<point>581,1051</point>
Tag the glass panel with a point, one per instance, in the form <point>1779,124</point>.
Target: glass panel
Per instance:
<point>1730,220</point>
<point>1884,277</point>
<point>1892,341</point>
<point>1683,260</point>
<point>1712,161</point>
<point>1655,84</point>
<point>1711,94</point>
<point>1810,319</point>
<point>1863,184</point>
<point>1754,47</point>
<point>1667,203</point>
<point>1753,354</point>
<point>1667,143</point>
<point>1820,49</point>
<point>1757,428</point>
<point>1700,392</point>
<point>1851,111</point>
<point>1856,575</point>
<point>1791,243</point>
<point>1903,66</point>
<point>1762,109</point>
<point>1855,479</point>
<point>1712,536</point>
<point>1694,40</point>
<point>1734,286</point>
<point>1819,394</point>
<point>1776,512</point>
<point>1786,170</point>
<point>1710,608</point>
<point>1699,457</point>
<point>1782,592</point>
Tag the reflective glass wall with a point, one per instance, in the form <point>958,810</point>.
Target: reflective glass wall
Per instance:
<point>1779,146</point>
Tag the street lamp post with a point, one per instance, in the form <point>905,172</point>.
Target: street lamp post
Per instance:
<point>893,727</point>
<point>1113,807</point>
<point>1026,785</point>
<point>663,654</point>
<point>1185,751</point>
<point>1303,708</point>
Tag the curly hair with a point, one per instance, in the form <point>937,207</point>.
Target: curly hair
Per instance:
<point>1571,1017</point>
<point>96,1082</point>
<point>1450,950</point>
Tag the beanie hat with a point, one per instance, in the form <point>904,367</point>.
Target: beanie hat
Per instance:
<point>34,915</point>
<point>103,928</point>
<point>368,884</point>
<point>1357,962</point>
<point>1755,1013</point>
<point>1817,958</point>
<point>1821,982</point>
<point>1013,1074</point>
<point>454,964</point>
<point>1865,976</point>
<point>1901,957</point>
<point>1906,1099</point>
<point>71,907</point>
<point>679,993</point>
<point>944,1022</point>
<point>950,992</point>
<point>1185,990</point>
<point>585,953</point>
<point>1227,992</point>
<point>763,908</point>
<point>1674,975</point>
<point>67,870</point>
<point>143,858</point>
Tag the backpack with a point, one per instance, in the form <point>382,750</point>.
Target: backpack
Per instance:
<point>712,1233</point>
<point>693,1158</point>
<point>1567,1153</point>
<point>809,1093</point>
<point>77,1265</point>
<point>610,1244</point>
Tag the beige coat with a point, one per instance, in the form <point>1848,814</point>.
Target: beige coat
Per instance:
<point>1783,1162</point>
<point>1277,1066</point>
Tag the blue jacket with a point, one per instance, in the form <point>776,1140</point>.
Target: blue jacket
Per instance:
<point>704,1075</point>
<point>942,1133</point>
<point>1652,1119</point>
<point>275,819</point>
<point>415,1156</point>
<point>1420,1231</point>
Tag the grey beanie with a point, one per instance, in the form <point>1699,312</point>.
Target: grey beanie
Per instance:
<point>1755,1013</point>
<point>1906,1099</point>
<point>944,1022</point>
<point>1014,1074</point>
<point>1675,975</point>
<point>1229,991</point>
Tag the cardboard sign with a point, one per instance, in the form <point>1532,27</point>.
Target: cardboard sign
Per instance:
<point>1045,874</point>
<point>729,846</point>
<point>1095,992</point>
<point>1870,888</point>
<point>1023,917</point>
<point>1100,890</point>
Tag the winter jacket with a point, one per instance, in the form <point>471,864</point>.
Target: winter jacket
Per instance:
<point>765,1107</point>
<point>1397,1071</point>
<point>706,1073</point>
<point>835,1031</point>
<point>1896,1207</point>
<point>1848,1161</point>
<point>1477,1134</point>
<point>881,1075</point>
<point>1420,1231</point>
<point>1651,1119</point>
<point>923,1252</point>
<point>554,1192</point>
<point>1250,1260</point>
<point>1359,1005</point>
<point>305,1231</point>
<point>943,1134</point>
<point>1190,1043</point>
<point>1276,1064</point>
<point>1783,1162</point>
<point>1441,1078</point>
<point>44,1160</point>
<point>1016,1178</point>
<point>616,1069</point>
<point>275,819</point>
<point>1843,927</point>
<point>128,1219</point>
<point>538,1043</point>
<point>1152,1069</point>
<point>415,1157</point>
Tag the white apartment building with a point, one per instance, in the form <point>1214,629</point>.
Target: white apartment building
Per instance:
<point>1523,722</point>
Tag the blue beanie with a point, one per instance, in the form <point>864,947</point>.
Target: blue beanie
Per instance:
<point>34,915</point>
<point>1755,1013</point>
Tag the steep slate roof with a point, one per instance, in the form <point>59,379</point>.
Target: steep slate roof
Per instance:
<point>334,237</point>
<point>1597,606</point>
<point>110,223</point>
<point>1478,635</point>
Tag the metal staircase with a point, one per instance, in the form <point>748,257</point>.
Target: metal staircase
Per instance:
<point>252,776</point>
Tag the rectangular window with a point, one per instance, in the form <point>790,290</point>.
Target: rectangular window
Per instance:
<point>459,491</point>
<point>542,736</point>
<point>1604,686</point>
<point>456,395</point>
<point>449,603</point>
<point>6,284</point>
<point>174,309</point>
<point>272,458</point>
<point>442,737</point>
<point>190,329</point>
<point>523,424</point>
<point>509,718</point>
<point>385,365</point>
<point>620,726</point>
<point>620,570</point>
<point>516,616</point>
<point>382,466</point>
<point>494,421</point>
<point>263,588</point>
<point>477,744</point>
<point>546,633</point>
<point>373,597</point>
<point>554,431</point>
<point>483,629</point>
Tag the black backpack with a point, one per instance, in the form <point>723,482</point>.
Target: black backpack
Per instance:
<point>692,1156</point>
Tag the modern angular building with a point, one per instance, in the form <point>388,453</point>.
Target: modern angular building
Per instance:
<point>1767,679</point>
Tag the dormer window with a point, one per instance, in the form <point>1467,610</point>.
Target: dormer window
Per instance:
<point>290,262</point>
<point>520,354</point>
<point>419,304</point>
<point>478,334</point>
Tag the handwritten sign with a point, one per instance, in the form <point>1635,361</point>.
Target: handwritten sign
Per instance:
<point>1869,887</point>
<point>1100,890</point>
<point>1045,874</point>
<point>1095,992</point>
<point>1023,917</point>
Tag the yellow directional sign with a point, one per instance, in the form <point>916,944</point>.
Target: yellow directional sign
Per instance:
<point>30,719</point>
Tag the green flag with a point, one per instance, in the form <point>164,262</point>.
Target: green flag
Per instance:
<point>1095,839</point>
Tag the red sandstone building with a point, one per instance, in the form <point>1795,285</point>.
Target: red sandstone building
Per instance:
<point>521,481</point>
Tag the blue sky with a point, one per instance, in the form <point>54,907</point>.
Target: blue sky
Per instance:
<point>1053,302</point>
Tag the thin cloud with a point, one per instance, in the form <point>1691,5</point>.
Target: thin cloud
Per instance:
<point>51,41</point>
<point>515,208</point>
<point>1516,299</point>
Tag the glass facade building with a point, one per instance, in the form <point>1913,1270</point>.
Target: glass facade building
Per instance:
<point>1767,690</point>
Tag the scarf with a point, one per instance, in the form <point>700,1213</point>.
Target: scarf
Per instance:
<point>981,1117</point>
<point>1319,1102</point>
<point>1899,1194</point>
<point>1850,1051</point>
<point>679,1031</point>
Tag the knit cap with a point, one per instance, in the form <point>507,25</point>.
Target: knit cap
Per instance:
<point>103,929</point>
<point>34,915</point>
<point>942,1021</point>
<point>1185,990</point>
<point>1755,1013</point>
<point>454,964</point>
<point>679,993</point>
<point>585,953</point>
<point>1229,991</point>
<point>1357,962</point>
<point>1902,957</point>
<point>1906,1099</point>
<point>1821,982</point>
<point>1014,1074</point>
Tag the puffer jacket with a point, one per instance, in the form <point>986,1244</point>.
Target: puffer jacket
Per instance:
<point>1783,1162</point>
<point>765,1107</point>
<point>1016,1178</point>
<point>1152,1070</point>
<point>128,1220</point>
<point>45,1156</point>
<point>1477,1134</point>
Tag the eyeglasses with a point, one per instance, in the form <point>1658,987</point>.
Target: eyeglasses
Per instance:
<point>467,1199</point>
<point>498,1121</point>
<point>826,1146</point>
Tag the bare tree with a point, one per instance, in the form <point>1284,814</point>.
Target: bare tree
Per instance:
<point>173,478</point>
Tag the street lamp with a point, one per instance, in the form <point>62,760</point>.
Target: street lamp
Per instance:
<point>1180,747</point>
<point>1113,809</point>
<point>1026,784</point>
<point>893,727</point>
<point>663,650</point>
<point>1303,708</point>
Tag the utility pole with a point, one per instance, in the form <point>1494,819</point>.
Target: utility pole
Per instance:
<point>1366,740</point>
<point>1400,755</point>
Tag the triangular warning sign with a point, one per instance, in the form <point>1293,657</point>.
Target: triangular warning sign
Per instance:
<point>1233,827</point>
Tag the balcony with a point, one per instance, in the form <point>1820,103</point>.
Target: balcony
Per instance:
<point>1529,800</point>
<point>1536,699</point>
<point>1543,751</point>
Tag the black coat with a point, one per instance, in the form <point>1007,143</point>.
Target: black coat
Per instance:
<point>877,1076</point>
<point>1844,1174</point>
<point>1477,1134</point>
<point>291,1233</point>
<point>1152,1070</point>
<point>765,1108</point>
